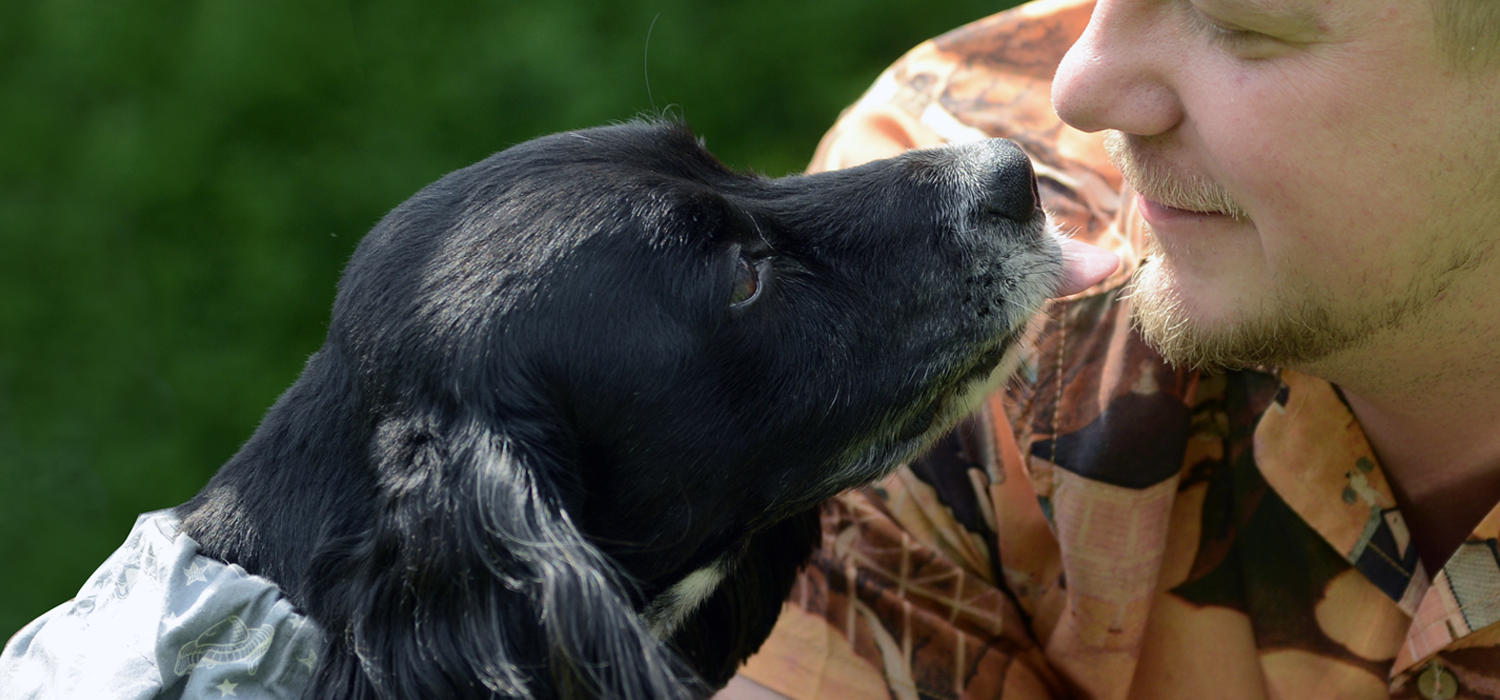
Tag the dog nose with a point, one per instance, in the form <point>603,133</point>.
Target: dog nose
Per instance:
<point>1013,190</point>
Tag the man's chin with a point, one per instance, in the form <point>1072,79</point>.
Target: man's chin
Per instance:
<point>1233,336</point>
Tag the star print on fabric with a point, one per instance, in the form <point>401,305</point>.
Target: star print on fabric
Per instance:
<point>195,573</point>
<point>310,659</point>
<point>226,688</point>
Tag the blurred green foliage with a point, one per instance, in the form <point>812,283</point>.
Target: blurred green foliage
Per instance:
<point>181,181</point>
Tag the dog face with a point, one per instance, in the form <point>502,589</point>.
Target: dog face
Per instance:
<point>706,346</point>
<point>606,344</point>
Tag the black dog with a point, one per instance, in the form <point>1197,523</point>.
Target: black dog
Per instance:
<point>579,402</point>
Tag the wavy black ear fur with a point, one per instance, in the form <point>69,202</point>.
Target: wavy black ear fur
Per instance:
<point>474,583</point>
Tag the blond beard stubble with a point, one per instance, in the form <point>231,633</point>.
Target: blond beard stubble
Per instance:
<point>1291,327</point>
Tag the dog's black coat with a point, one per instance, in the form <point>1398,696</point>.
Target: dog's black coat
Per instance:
<point>542,405</point>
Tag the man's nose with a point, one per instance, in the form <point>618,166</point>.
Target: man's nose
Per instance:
<point>1119,73</point>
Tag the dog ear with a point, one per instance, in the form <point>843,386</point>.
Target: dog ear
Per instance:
<point>474,583</point>
<point>732,624</point>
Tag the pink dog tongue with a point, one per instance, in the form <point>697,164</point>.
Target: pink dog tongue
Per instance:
<point>1084,266</point>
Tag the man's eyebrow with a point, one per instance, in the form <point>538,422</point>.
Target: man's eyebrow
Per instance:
<point>1292,14</point>
<point>1279,9</point>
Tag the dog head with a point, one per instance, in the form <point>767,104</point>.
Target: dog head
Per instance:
<point>582,374</point>
<point>696,344</point>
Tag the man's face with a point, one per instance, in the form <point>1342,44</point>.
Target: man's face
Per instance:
<point>1315,175</point>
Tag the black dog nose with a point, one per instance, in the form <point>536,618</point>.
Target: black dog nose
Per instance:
<point>1013,191</point>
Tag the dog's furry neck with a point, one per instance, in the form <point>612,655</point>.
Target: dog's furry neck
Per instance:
<point>303,447</point>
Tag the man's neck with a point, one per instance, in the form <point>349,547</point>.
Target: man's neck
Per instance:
<point>1427,394</point>
<point>1441,456</point>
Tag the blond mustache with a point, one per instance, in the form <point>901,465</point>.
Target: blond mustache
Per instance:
<point>1157,184</point>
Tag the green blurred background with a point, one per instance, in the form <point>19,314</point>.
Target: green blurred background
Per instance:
<point>182,180</point>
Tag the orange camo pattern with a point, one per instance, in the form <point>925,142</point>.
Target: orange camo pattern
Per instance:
<point>1108,526</point>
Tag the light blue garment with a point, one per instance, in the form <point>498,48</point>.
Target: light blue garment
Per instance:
<point>158,620</point>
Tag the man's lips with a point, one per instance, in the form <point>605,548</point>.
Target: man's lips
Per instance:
<point>1084,266</point>
<point>1155,212</point>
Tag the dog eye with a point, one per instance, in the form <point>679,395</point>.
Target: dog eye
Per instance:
<point>746,282</point>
